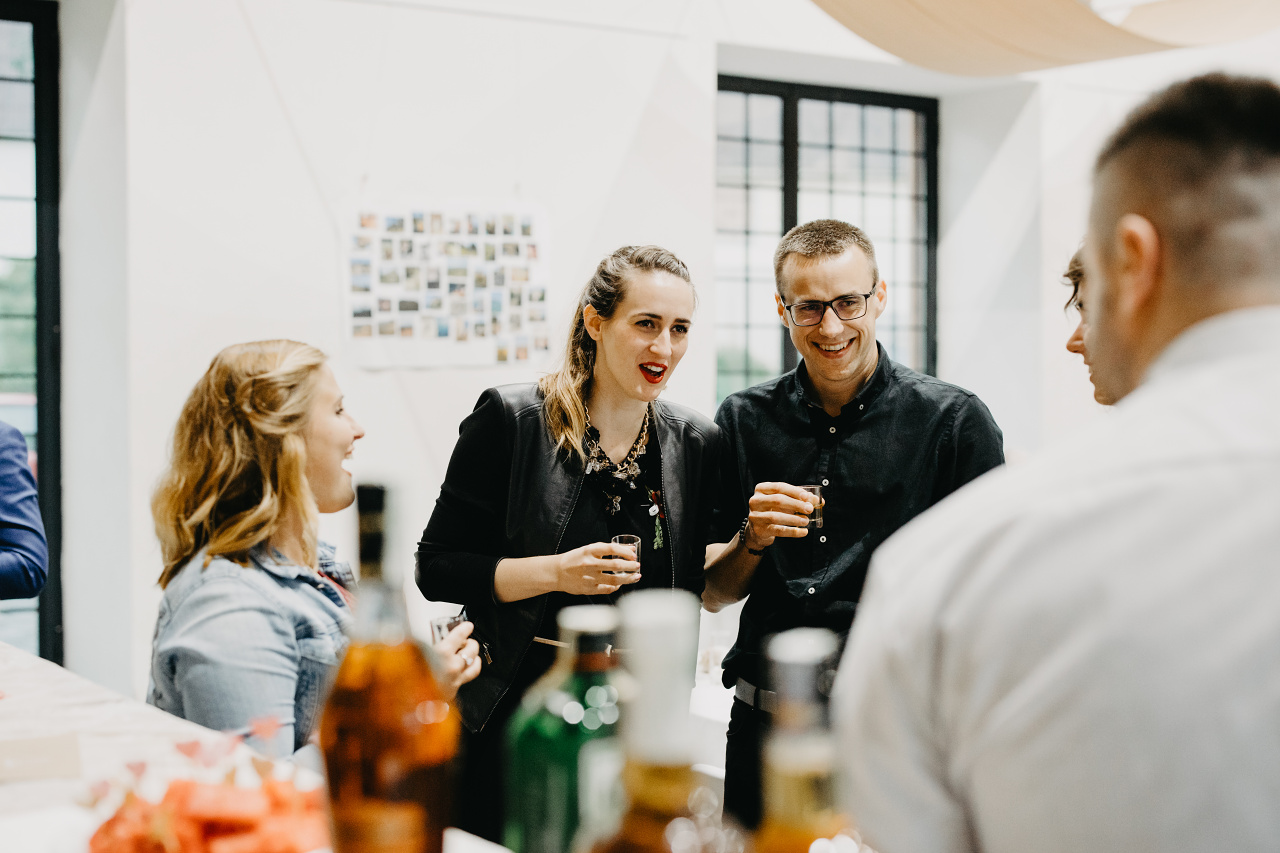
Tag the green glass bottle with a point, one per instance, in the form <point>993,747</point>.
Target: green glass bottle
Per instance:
<point>564,760</point>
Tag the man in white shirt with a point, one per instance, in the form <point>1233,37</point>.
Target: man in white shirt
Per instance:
<point>1083,653</point>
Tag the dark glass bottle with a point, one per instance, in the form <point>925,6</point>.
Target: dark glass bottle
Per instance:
<point>388,736</point>
<point>564,759</point>
<point>799,790</point>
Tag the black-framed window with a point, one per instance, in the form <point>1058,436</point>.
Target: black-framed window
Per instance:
<point>788,153</point>
<point>30,387</point>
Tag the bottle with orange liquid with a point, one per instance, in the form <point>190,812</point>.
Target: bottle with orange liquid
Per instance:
<point>799,795</point>
<point>388,736</point>
<point>659,650</point>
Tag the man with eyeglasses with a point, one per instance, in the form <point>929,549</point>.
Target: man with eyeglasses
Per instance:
<point>881,441</point>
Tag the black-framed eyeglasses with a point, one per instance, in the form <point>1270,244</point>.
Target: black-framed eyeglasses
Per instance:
<point>849,307</point>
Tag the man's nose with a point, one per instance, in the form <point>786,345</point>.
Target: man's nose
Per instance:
<point>831,324</point>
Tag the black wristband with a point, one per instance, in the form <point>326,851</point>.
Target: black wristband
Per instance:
<point>742,534</point>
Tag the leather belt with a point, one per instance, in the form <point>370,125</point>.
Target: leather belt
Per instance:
<point>761,700</point>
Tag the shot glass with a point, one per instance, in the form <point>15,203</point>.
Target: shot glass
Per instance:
<point>625,539</point>
<point>442,625</point>
<point>815,519</point>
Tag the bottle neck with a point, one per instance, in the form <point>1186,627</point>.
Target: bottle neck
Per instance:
<point>799,778</point>
<point>380,616</point>
<point>658,789</point>
<point>598,661</point>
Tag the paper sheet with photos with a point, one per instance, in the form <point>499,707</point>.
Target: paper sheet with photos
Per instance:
<point>447,286</point>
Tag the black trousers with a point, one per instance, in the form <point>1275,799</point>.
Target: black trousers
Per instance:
<point>742,758</point>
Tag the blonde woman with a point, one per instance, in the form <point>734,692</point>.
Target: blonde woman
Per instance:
<point>251,623</point>
<point>544,476</point>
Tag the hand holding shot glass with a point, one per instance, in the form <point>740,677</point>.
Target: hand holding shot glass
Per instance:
<point>782,510</point>
<point>630,541</point>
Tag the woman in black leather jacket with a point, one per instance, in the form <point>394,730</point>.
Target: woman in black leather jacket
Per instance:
<point>541,479</point>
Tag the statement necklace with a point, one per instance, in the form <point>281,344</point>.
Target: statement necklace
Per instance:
<point>615,478</point>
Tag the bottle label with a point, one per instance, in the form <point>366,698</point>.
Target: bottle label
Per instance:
<point>601,798</point>
<point>379,826</point>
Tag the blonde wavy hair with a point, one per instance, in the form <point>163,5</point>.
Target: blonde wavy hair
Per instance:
<point>239,460</point>
<point>565,391</point>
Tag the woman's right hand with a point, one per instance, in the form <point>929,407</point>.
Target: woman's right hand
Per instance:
<point>586,570</point>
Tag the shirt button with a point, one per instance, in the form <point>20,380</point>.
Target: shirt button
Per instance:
<point>822,539</point>
<point>825,482</point>
<point>861,407</point>
<point>812,590</point>
<point>832,430</point>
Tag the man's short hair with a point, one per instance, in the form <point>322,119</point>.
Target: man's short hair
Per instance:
<point>1073,275</point>
<point>823,238</point>
<point>1202,160</point>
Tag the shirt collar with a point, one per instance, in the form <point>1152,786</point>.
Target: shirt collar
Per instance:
<point>1222,337</point>
<point>805,396</point>
<point>270,560</point>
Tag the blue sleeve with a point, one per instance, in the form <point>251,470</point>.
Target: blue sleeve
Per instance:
<point>24,554</point>
<point>232,658</point>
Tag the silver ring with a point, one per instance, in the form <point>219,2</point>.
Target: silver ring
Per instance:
<point>469,660</point>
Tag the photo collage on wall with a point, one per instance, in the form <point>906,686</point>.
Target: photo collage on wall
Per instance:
<point>467,285</point>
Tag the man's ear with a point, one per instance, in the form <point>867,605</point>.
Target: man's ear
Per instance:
<point>592,320</point>
<point>782,309</point>
<point>1139,266</point>
<point>880,298</point>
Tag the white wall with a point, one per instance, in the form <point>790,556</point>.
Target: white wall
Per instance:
<point>214,149</point>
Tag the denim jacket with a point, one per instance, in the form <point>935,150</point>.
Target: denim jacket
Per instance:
<point>235,644</point>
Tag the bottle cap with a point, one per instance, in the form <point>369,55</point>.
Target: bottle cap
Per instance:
<point>660,638</point>
<point>588,619</point>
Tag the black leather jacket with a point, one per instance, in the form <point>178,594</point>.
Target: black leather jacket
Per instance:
<point>509,493</point>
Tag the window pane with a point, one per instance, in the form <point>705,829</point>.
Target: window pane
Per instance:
<point>731,114</point>
<point>765,212</point>
<point>761,307</point>
<point>815,122</point>
<point>16,57</point>
<point>17,110</point>
<point>879,127</point>
<point>846,125</point>
<point>879,218</point>
<point>846,171</point>
<point>879,172</point>
<point>731,349</point>
<point>887,258</point>
<point>17,345</point>
<point>731,163</point>
<point>17,287</point>
<point>764,164</point>
<point>731,302</point>
<point>760,255</point>
<point>17,229</point>
<point>904,218</point>
<point>764,353</point>
<point>904,175</point>
<point>907,137</point>
<point>731,255</point>
<point>847,208</point>
<point>908,272</point>
<point>731,209</point>
<point>814,205</point>
<point>17,169</point>
<point>815,168</point>
<point>764,118</point>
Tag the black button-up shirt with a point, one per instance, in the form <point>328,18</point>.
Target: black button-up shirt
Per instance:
<point>903,444</point>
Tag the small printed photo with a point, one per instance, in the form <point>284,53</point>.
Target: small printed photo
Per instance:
<point>437,223</point>
<point>526,226</point>
<point>470,250</point>
<point>502,350</point>
<point>517,297</point>
<point>389,275</point>
<point>406,248</point>
<point>490,251</point>
<point>499,277</point>
<point>457,287</point>
<point>516,322</point>
<point>387,328</point>
<point>433,278</point>
<point>455,225</point>
<point>362,330</point>
<point>388,249</point>
<point>519,273</point>
<point>442,327</point>
<point>457,306</point>
<point>537,294</point>
<point>482,278</point>
<point>531,251</point>
<point>522,349</point>
<point>499,301</point>
<point>457,270</point>
<point>495,326</point>
<point>453,249</point>
<point>538,314</point>
<point>362,311</point>
<point>419,223</point>
<point>360,276</point>
<point>540,343</point>
<point>409,305</point>
<point>481,329</point>
<point>463,332</point>
<point>360,242</point>
<point>428,251</point>
<point>368,220</point>
<point>510,250</point>
<point>406,331</point>
<point>473,224</point>
<point>395,223</point>
<point>478,304</point>
<point>433,301</point>
<point>491,225</point>
<point>384,305</point>
<point>412,278</point>
<point>508,224</point>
